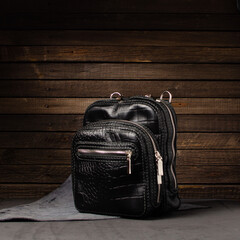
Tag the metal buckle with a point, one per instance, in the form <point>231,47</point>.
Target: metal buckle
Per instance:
<point>119,95</point>
<point>169,94</point>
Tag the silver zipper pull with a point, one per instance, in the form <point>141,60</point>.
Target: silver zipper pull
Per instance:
<point>129,155</point>
<point>159,167</point>
<point>159,172</point>
<point>159,163</point>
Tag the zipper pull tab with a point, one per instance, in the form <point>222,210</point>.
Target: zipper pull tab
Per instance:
<point>159,172</point>
<point>159,167</point>
<point>129,155</point>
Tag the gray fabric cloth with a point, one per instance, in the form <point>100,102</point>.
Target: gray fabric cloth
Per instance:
<point>56,206</point>
<point>59,206</point>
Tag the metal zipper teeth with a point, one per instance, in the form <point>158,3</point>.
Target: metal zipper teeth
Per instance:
<point>101,151</point>
<point>158,157</point>
<point>173,139</point>
<point>127,153</point>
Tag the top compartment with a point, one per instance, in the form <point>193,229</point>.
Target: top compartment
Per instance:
<point>131,110</point>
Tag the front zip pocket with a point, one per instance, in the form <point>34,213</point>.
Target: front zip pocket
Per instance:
<point>94,153</point>
<point>117,169</point>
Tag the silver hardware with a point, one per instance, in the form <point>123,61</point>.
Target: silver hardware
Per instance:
<point>173,139</point>
<point>159,172</point>
<point>128,153</point>
<point>157,156</point>
<point>169,94</point>
<point>159,163</point>
<point>100,151</point>
<point>148,95</point>
<point>174,132</point>
<point>119,95</point>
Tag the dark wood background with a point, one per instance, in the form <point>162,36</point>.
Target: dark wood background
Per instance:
<point>57,57</point>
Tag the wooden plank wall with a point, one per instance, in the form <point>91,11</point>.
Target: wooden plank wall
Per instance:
<point>57,57</point>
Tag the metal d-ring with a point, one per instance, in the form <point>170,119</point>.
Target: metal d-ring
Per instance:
<point>169,94</point>
<point>119,95</point>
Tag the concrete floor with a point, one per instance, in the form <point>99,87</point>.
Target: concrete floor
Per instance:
<point>220,221</point>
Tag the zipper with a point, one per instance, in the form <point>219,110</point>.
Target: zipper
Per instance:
<point>127,153</point>
<point>158,157</point>
<point>173,140</point>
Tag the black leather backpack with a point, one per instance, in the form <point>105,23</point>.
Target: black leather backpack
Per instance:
<point>124,157</point>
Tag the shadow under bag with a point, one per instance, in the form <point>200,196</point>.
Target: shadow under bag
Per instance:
<point>124,158</point>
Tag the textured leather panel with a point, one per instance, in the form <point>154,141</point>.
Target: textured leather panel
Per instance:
<point>111,135</point>
<point>127,110</point>
<point>102,184</point>
<point>97,184</point>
